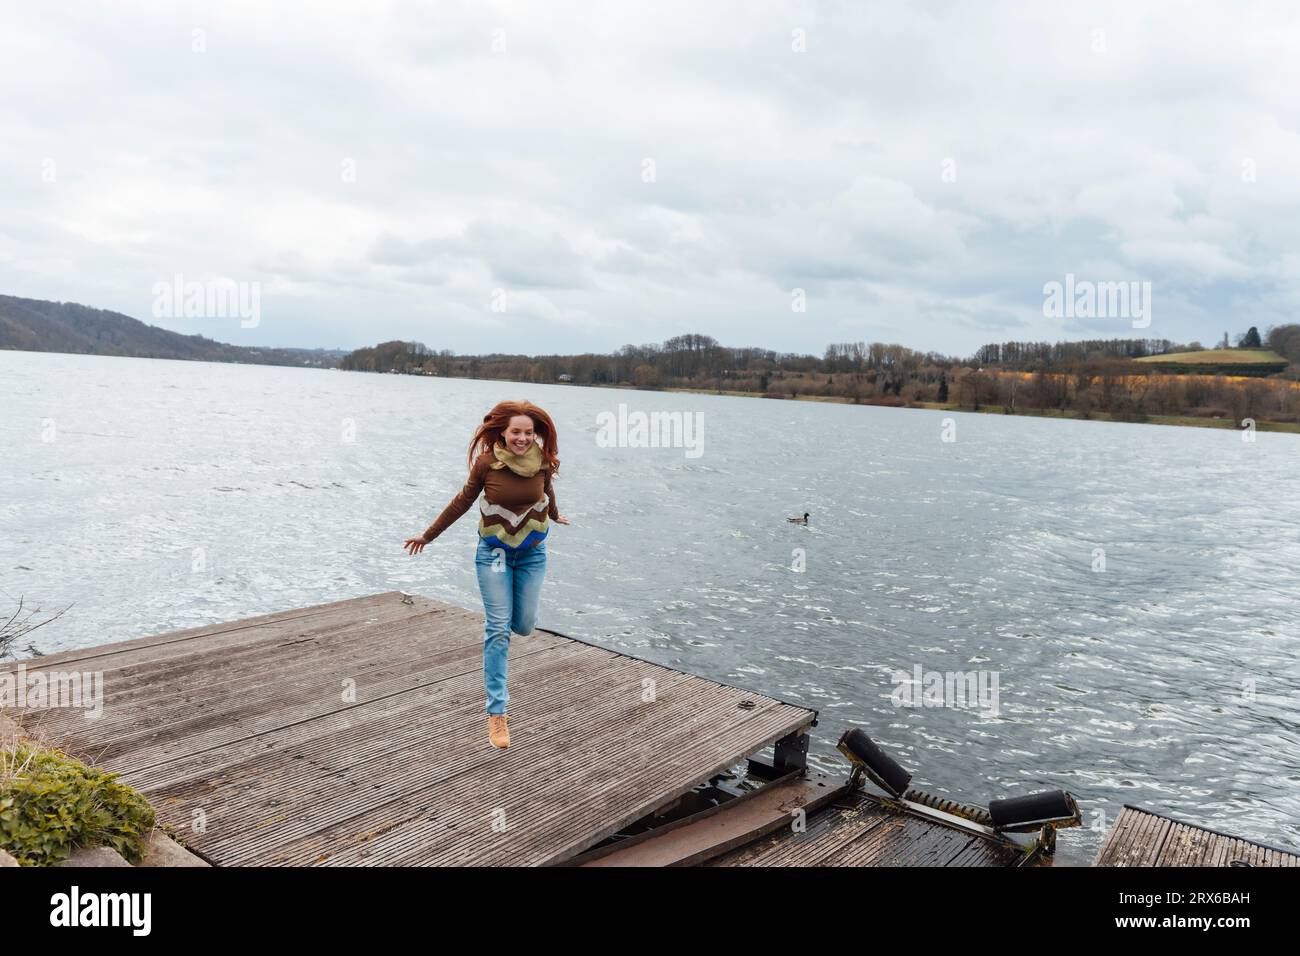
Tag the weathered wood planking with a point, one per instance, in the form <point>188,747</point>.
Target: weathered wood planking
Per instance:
<point>861,831</point>
<point>247,727</point>
<point>1142,838</point>
<point>715,830</point>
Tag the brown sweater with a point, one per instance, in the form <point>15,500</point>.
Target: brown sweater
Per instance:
<point>515,509</point>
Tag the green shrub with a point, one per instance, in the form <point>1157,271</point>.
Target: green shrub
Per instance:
<point>52,804</point>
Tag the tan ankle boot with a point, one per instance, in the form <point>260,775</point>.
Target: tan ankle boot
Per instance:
<point>498,731</point>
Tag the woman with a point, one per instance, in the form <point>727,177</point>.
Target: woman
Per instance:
<point>513,473</point>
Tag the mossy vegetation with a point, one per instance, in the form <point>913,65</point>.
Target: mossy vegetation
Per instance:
<point>52,804</point>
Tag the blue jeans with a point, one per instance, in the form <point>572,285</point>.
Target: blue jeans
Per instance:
<point>511,585</point>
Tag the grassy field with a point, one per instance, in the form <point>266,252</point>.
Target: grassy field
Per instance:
<point>1216,357</point>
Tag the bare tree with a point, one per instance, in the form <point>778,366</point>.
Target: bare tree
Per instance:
<point>20,624</point>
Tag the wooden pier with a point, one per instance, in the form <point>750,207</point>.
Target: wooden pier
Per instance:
<point>1142,838</point>
<point>353,733</point>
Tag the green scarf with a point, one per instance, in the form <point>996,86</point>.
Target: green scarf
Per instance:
<point>525,465</point>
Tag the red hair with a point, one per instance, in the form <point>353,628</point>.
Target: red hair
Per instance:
<point>496,421</point>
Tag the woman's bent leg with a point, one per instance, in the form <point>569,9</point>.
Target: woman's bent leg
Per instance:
<point>496,587</point>
<point>529,572</point>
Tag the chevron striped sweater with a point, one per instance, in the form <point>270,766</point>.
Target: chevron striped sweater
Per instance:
<point>518,500</point>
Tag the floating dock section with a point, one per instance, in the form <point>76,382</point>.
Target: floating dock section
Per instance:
<point>1142,838</point>
<point>862,830</point>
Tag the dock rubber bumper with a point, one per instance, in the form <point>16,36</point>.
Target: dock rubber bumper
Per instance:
<point>1030,812</point>
<point>881,767</point>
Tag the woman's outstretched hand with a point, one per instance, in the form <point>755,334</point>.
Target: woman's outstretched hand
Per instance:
<point>414,545</point>
<point>561,519</point>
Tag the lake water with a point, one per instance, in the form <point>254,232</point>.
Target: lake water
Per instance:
<point>154,495</point>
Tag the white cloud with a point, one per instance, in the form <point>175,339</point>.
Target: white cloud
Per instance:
<point>920,170</point>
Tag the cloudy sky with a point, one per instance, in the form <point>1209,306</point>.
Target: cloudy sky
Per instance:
<point>557,177</point>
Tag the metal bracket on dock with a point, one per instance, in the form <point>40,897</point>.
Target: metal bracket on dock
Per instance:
<point>1047,839</point>
<point>791,752</point>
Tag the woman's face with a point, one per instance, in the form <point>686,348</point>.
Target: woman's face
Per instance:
<point>519,434</point>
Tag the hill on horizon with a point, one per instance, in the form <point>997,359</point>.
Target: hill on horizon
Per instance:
<point>37,325</point>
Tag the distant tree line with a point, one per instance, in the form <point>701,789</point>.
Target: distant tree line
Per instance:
<point>1080,378</point>
<point>1113,388</point>
<point>684,360</point>
<point>1029,355</point>
<point>406,357</point>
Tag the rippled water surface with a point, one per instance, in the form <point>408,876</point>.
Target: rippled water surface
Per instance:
<point>1169,679</point>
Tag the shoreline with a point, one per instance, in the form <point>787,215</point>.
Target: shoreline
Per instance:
<point>1187,421</point>
<point>1190,421</point>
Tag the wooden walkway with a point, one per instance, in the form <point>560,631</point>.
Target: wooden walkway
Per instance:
<point>353,733</point>
<point>1142,838</point>
<point>860,830</point>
